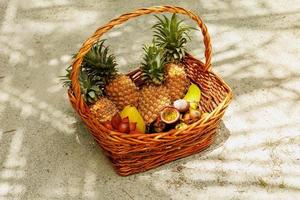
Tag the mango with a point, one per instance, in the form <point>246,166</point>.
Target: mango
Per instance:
<point>193,95</point>
<point>134,117</point>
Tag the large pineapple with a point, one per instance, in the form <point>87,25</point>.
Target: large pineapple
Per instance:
<point>153,96</point>
<point>176,81</point>
<point>102,67</point>
<point>172,35</point>
<point>122,91</point>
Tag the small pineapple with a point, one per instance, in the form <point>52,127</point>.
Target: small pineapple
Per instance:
<point>122,91</point>
<point>104,109</point>
<point>172,35</point>
<point>91,86</point>
<point>102,67</point>
<point>154,96</point>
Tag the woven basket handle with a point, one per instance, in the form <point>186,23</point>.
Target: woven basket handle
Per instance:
<point>143,11</point>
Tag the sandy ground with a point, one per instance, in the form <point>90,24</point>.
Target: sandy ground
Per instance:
<point>46,152</point>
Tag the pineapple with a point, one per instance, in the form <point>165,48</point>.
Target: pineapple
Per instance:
<point>176,81</point>
<point>172,35</point>
<point>120,89</point>
<point>153,98</point>
<point>104,109</point>
<point>91,84</point>
<point>154,95</point>
<point>101,107</point>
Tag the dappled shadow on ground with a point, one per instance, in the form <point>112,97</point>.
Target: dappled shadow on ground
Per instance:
<point>46,155</point>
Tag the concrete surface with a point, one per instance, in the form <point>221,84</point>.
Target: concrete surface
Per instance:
<point>46,153</point>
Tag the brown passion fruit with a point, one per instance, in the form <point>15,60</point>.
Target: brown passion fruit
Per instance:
<point>169,115</point>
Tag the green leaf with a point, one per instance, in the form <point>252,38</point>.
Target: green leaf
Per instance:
<point>99,63</point>
<point>92,94</point>
<point>172,35</point>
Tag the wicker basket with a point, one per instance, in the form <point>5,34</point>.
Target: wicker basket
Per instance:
<point>140,152</point>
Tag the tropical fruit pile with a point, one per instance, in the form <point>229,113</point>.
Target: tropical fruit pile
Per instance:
<point>167,99</point>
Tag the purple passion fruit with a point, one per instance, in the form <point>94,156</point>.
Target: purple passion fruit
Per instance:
<point>169,115</point>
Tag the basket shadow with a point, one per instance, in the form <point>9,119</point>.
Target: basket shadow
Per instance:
<point>221,137</point>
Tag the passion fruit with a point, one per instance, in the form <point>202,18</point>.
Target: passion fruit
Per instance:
<point>169,115</point>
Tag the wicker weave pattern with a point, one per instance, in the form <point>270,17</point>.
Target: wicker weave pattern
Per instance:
<point>140,152</point>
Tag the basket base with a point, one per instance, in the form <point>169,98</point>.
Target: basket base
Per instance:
<point>132,163</point>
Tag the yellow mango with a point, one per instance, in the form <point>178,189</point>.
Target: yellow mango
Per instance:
<point>134,116</point>
<point>193,94</point>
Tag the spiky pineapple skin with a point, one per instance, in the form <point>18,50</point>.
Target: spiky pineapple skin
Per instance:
<point>176,80</point>
<point>152,100</point>
<point>122,91</point>
<point>104,109</point>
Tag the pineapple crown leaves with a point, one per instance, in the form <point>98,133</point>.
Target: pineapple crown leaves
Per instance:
<point>99,64</point>
<point>153,65</point>
<point>89,90</point>
<point>172,35</point>
<point>92,81</point>
<point>66,79</point>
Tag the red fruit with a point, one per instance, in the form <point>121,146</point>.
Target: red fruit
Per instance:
<point>108,125</point>
<point>132,126</point>
<point>124,127</point>
<point>125,120</point>
<point>116,120</point>
<point>159,125</point>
